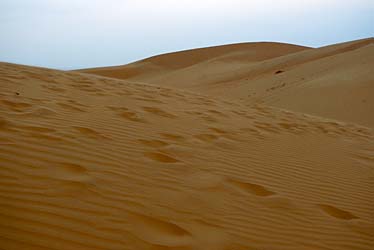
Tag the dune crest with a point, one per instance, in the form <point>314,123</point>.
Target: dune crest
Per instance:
<point>155,66</point>
<point>339,76</point>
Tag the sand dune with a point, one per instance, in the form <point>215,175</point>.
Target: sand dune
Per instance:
<point>339,76</point>
<point>90,162</point>
<point>150,68</point>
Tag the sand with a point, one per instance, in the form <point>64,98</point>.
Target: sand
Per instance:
<point>291,77</point>
<point>95,162</point>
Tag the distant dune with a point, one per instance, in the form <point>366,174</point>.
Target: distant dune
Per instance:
<point>153,67</point>
<point>258,146</point>
<point>339,76</point>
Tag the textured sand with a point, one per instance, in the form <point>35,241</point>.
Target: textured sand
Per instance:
<point>91,162</point>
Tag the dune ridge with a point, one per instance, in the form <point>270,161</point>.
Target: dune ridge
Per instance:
<point>339,76</point>
<point>146,69</point>
<point>91,162</point>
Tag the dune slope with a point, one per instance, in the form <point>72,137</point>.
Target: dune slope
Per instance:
<point>334,82</point>
<point>153,67</point>
<point>338,76</point>
<point>90,162</point>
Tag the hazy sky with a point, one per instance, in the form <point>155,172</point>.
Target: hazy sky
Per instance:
<point>69,34</point>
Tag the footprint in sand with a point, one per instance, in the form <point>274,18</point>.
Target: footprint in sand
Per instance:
<point>160,157</point>
<point>159,232</point>
<point>221,133</point>
<point>70,179</point>
<point>132,116</point>
<point>218,131</point>
<point>158,112</point>
<point>89,132</point>
<point>337,213</point>
<point>127,114</point>
<point>251,188</point>
<point>215,112</point>
<point>43,112</point>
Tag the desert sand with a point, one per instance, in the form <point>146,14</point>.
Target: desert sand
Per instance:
<point>257,146</point>
<point>282,75</point>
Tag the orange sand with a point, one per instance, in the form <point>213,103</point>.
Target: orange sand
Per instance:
<point>207,149</point>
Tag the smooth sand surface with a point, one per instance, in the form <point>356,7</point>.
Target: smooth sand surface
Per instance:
<point>158,66</point>
<point>92,162</point>
<point>333,82</point>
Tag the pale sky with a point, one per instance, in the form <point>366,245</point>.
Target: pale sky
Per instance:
<point>71,34</point>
